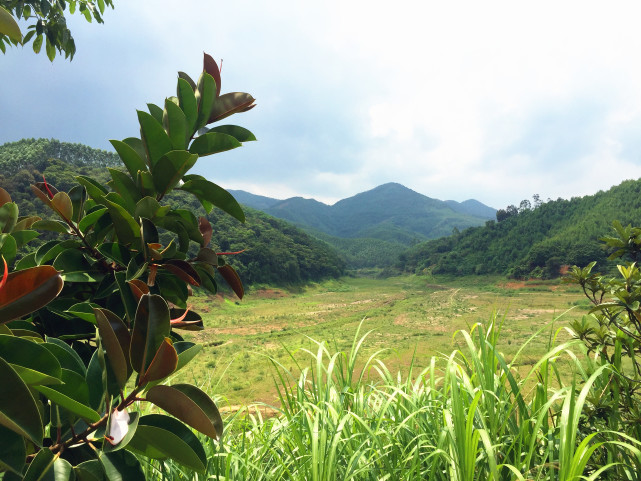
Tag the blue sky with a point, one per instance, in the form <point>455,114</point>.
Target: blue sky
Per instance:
<point>493,100</point>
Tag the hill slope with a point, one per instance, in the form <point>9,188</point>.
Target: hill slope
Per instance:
<point>534,242</point>
<point>275,252</point>
<point>389,212</point>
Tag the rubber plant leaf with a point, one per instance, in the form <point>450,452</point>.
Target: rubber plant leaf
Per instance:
<point>27,291</point>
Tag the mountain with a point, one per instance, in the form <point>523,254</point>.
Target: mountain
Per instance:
<point>533,242</point>
<point>275,251</point>
<point>389,212</point>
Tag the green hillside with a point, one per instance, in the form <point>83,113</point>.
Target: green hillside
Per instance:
<point>532,242</point>
<point>275,252</point>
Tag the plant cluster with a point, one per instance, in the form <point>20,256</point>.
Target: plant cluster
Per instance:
<point>47,23</point>
<point>88,320</point>
<point>612,332</point>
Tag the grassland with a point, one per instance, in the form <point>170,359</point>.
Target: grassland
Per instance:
<point>411,317</point>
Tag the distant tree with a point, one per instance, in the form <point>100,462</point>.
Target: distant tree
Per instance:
<point>512,210</point>
<point>537,200</point>
<point>47,23</point>
<point>501,215</point>
<point>525,205</point>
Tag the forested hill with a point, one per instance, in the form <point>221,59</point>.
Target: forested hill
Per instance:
<point>533,241</point>
<point>390,212</point>
<point>275,252</point>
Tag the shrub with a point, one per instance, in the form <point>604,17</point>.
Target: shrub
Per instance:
<point>88,322</point>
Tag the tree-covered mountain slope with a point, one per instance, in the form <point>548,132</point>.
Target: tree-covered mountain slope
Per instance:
<point>533,242</point>
<point>274,251</point>
<point>389,212</point>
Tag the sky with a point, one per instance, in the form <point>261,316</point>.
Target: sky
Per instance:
<point>491,100</point>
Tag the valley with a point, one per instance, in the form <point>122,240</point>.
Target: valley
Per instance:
<point>409,316</point>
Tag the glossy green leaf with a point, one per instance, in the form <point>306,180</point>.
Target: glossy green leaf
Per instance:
<point>31,355</point>
<point>204,189</point>
<point>241,134</point>
<point>67,357</point>
<point>28,290</point>
<point>51,225</point>
<point>12,451</point>
<point>78,196</point>
<point>130,157</point>
<point>145,183</point>
<point>128,301</point>
<point>213,143</point>
<point>18,409</point>
<point>126,187</point>
<point>74,266</point>
<point>155,111</point>
<point>188,104</point>
<point>8,247</point>
<point>23,237</point>
<point>124,224</point>
<point>205,96</point>
<point>8,217</point>
<point>188,79</point>
<point>186,352</point>
<point>189,404</point>
<point>49,251</point>
<point>121,466</point>
<point>170,168</point>
<point>84,311</point>
<point>90,470</point>
<point>136,268</point>
<point>26,262</point>
<point>229,104</point>
<point>156,141</point>
<point>73,395</point>
<point>172,289</point>
<point>89,220</point>
<point>40,466</point>
<point>175,123</point>
<point>207,279</point>
<point>9,26</point>
<point>116,339</point>
<point>151,327</point>
<point>149,208</point>
<point>116,252</point>
<point>95,190</point>
<point>161,437</point>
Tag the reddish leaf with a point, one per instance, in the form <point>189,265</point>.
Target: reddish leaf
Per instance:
<point>28,290</point>
<point>186,319</point>
<point>116,340</point>
<point>4,197</point>
<point>211,67</point>
<point>189,404</point>
<point>163,364</point>
<point>5,275</point>
<point>205,230</point>
<point>231,276</point>
<point>151,277</point>
<point>183,270</point>
<point>138,288</point>
<point>61,203</point>
<point>229,104</point>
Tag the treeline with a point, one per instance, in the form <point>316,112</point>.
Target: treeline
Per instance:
<point>274,252</point>
<point>533,240</point>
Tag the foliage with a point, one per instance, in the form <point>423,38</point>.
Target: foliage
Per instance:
<point>612,332</point>
<point>532,242</point>
<point>470,415</point>
<point>74,366</point>
<point>274,252</point>
<point>47,23</point>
